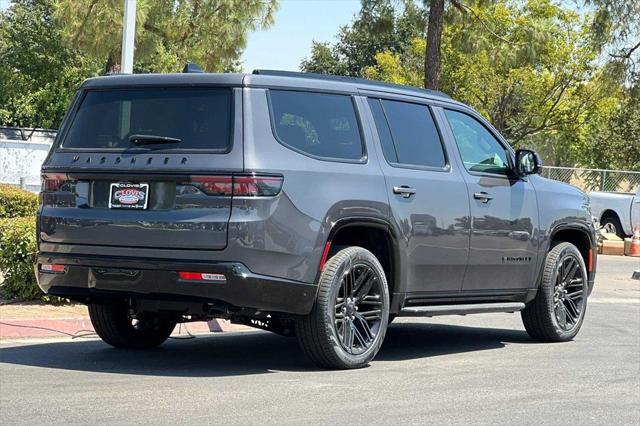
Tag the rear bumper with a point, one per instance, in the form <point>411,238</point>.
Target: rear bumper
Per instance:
<point>92,277</point>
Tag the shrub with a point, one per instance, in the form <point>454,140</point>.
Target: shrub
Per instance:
<point>17,255</point>
<point>16,202</point>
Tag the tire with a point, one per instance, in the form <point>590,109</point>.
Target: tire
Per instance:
<point>559,292</point>
<point>612,223</point>
<point>336,334</point>
<point>115,326</point>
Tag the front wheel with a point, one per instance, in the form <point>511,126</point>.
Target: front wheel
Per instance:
<point>116,327</point>
<point>347,324</point>
<point>557,312</point>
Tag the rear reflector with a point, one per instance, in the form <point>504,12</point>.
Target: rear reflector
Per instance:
<point>238,185</point>
<point>53,268</point>
<point>590,261</point>
<point>325,253</point>
<point>201,276</point>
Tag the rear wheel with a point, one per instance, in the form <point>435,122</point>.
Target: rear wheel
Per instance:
<point>348,322</point>
<point>612,225</point>
<point>117,327</point>
<point>557,312</point>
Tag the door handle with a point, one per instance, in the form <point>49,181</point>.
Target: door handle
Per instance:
<point>485,197</point>
<point>404,190</point>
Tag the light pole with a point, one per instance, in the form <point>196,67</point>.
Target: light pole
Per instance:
<point>128,36</point>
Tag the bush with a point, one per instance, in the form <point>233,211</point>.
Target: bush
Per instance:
<point>16,202</point>
<point>17,255</point>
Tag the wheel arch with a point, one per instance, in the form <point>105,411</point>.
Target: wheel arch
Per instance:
<point>609,213</point>
<point>581,236</point>
<point>375,235</point>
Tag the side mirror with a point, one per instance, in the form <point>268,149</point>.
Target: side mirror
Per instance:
<point>527,162</point>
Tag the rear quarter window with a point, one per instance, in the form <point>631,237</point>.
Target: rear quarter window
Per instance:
<point>201,118</point>
<point>411,138</point>
<point>318,124</point>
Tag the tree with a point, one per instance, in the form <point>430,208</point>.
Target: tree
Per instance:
<point>432,49</point>
<point>381,25</point>
<point>612,138</point>
<point>530,67</point>
<point>39,73</point>
<point>617,24</point>
<point>169,33</point>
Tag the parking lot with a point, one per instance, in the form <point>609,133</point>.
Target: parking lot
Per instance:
<point>474,369</point>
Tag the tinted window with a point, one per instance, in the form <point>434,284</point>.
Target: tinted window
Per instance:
<point>200,118</point>
<point>319,124</point>
<point>386,140</point>
<point>480,151</point>
<point>415,136</point>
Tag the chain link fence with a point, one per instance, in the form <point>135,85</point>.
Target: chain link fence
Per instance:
<point>595,179</point>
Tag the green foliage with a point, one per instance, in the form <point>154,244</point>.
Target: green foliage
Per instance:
<point>15,202</point>
<point>613,136</point>
<point>168,33</point>
<point>381,25</point>
<point>48,47</point>
<point>534,69</point>
<point>38,72</point>
<point>17,256</point>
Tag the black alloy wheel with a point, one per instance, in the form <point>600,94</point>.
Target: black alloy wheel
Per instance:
<point>557,312</point>
<point>346,327</point>
<point>569,294</point>
<point>358,308</point>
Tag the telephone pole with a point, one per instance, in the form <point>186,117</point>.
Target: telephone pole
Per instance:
<point>128,36</point>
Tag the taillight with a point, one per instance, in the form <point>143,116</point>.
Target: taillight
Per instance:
<point>238,185</point>
<point>256,186</point>
<point>52,182</point>
<point>53,268</point>
<point>213,185</point>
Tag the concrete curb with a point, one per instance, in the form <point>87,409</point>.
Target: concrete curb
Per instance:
<point>81,326</point>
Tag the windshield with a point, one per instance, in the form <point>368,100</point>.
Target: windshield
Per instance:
<point>187,118</point>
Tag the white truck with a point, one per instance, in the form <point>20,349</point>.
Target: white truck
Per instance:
<point>618,212</point>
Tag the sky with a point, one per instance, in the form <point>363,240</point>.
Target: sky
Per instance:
<point>297,24</point>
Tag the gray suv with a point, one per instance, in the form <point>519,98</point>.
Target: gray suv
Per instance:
<point>312,206</point>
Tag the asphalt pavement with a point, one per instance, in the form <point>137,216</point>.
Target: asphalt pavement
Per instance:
<point>477,369</point>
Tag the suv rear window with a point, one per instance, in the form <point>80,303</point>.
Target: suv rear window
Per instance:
<point>319,124</point>
<point>199,117</point>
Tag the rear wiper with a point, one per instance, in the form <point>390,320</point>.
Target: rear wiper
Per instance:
<point>151,139</point>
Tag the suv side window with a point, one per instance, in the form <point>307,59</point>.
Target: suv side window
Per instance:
<point>479,149</point>
<point>318,124</point>
<point>408,133</point>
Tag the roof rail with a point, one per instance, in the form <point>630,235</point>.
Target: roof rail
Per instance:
<point>331,77</point>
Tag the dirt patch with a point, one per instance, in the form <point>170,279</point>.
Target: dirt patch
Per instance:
<point>41,310</point>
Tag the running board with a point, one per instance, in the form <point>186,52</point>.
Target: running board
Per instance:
<point>477,308</point>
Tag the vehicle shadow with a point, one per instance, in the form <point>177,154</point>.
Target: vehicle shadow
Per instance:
<point>246,353</point>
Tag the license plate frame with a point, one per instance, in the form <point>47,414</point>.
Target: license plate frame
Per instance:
<point>128,196</point>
